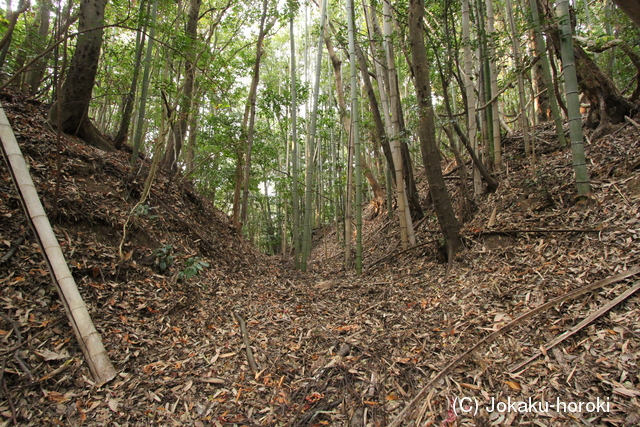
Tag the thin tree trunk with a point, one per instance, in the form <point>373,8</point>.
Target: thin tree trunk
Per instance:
<point>294,153</point>
<point>127,111</point>
<point>137,138</point>
<point>264,29</point>
<point>175,143</point>
<point>541,49</point>
<point>528,147</point>
<point>193,133</point>
<point>495,110</point>
<point>428,146</point>
<point>573,99</point>
<point>472,124</point>
<point>348,209</point>
<point>355,120</point>
<point>306,249</point>
<point>406,226</point>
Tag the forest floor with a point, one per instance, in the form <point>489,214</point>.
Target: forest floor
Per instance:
<point>402,344</point>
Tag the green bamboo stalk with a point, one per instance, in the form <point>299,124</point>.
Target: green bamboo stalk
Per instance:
<point>541,49</point>
<point>573,99</point>
<point>355,121</point>
<point>294,151</point>
<point>308,203</point>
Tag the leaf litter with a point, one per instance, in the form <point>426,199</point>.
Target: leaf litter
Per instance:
<point>330,347</point>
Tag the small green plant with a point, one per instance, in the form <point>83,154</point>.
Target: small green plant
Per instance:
<point>164,257</point>
<point>193,267</point>
<point>145,210</point>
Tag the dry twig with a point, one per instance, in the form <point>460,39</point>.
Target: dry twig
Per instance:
<point>247,344</point>
<point>593,316</point>
<point>406,412</point>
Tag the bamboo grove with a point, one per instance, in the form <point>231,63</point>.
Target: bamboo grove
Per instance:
<point>294,116</point>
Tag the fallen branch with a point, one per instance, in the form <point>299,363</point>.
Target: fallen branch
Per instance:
<point>538,230</point>
<point>247,345</point>
<point>633,122</point>
<point>34,336</point>
<point>14,248</point>
<point>309,416</point>
<point>593,316</point>
<point>18,334</point>
<point>5,389</point>
<point>400,418</point>
<point>58,370</point>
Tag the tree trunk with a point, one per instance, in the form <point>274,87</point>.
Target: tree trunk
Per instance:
<point>137,138</point>
<point>573,99</point>
<point>355,120</point>
<point>472,123</point>
<point>72,108</point>
<point>127,110</point>
<point>264,28</point>
<point>394,109</point>
<point>631,8</point>
<point>493,73</point>
<point>36,73</point>
<point>541,49</point>
<point>175,143</point>
<point>306,243</point>
<point>430,157</point>
<point>294,150</point>
<point>608,106</point>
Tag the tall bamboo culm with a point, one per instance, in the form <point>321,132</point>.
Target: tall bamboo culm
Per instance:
<point>573,99</point>
<point>88,338</point>
<point>308,200</point>
<point>355,123</point>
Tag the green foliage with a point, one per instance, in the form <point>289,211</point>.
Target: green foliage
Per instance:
<point>145,211</point>
<point>164,257</point>
<point>193,267</point>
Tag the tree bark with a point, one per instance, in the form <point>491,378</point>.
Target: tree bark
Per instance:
<point>406,222</point>
<point>430,156</point>
<point>342,110</point>
<point>13,20</point>
<point>127,110</point>
<point>264,29</point>
<point>36,73</point>
<point>71,111</point>
<point>175,142</point>
<point>380,134</point>
<point>470,94</point>
<point>573,100</point>
<point>631,8</point>
<point>607,105</point>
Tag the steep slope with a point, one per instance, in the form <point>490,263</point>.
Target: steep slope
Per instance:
<point>331,348</point>
<point>528,243</point>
